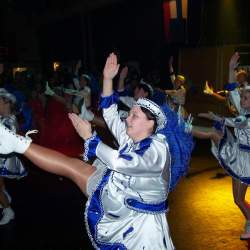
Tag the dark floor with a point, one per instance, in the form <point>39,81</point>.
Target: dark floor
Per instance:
<point>50,211</point>
<point>49,214</point>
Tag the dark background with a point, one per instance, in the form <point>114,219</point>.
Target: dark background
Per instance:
<point>68,30</point>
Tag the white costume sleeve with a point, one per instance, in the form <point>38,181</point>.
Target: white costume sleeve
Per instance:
<point>115,124</point>
<point>149,164</point>
<point>234,97</point>
<point>172,78</point>
<point>239,122</point>
<point>76,82</point>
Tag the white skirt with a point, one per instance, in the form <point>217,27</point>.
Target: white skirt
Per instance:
<point>233,157</point>
<point>12,167</point>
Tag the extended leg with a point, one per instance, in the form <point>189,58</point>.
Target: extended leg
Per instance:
<point>60,164</point>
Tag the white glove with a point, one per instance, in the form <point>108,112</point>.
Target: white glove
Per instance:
<point>188,124</point>
<point>71,91</point>
<point>11,142</point>
<point>48,90</point>
<point>86,114</point>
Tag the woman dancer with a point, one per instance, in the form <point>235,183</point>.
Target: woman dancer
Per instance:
<point>10,165</point>
<point>233,153</point>
<point>128,191</point>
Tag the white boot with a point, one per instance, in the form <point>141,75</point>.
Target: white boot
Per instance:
<point>8,215</point>
<point>8,197</point>
<point>11,142</point>
<point>246,234</point>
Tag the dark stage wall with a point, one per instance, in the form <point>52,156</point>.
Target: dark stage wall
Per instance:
<point>134,29</point>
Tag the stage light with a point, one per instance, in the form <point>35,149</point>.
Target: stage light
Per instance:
<point>56,66</point>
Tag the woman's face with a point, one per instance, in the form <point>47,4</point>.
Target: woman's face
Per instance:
<point>139,126</point>
<point>241,78</point>
<point>245,100</point>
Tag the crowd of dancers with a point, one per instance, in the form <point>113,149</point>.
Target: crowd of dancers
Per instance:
<point>127,185</point>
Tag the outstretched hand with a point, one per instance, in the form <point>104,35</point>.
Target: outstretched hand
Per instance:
<point>82,127</point>
<point>111,67</point>
<point>209,115</point>
<point>234,61</point>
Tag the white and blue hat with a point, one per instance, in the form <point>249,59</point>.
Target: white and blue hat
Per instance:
<point>155,109</point>
<point>7,95</point>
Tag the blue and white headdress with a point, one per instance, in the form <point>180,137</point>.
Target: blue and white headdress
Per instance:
<point>156,110</point>
<point>8,95</point>
<point>151,90</point>
<point>86,76</point>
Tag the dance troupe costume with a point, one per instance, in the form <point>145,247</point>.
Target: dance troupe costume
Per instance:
<point>10,165</point>
<point>128,192</point>
<point>232,152</point>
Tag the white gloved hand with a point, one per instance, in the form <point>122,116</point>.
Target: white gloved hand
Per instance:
<point>12,142</point>
<point>71,91</point>
<point>188,124</point>
<point>48,90</point>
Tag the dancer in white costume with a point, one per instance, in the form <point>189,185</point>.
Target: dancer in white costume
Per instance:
<point>233,153</point>
<point>127,193</point>
<point>10,165</point>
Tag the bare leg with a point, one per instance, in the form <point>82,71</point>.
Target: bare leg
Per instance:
<point>239,193</point>
<point>3,199</point>
<point>60,164</point>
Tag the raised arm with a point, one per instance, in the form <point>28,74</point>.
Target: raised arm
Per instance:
<point>171,69</point>
<point>237,122</point>
<point>109,100</point>
<point>109,72</point>
<point>234,95</point>
<point>233,64</point>
<point>122,77</point>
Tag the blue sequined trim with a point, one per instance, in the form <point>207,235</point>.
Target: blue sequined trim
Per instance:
<point>94,213</point>
<point>123,92</point>
<point>224,165</point>
<point>131,229</point>
<point>245,148</point>
<point>8,174</point>
<point>107,101</point>
<point>126,157</point>
<point>231,86</point>
<point>144,145</point>
<point>150,208</point>
<point>90,146</point>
